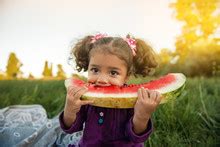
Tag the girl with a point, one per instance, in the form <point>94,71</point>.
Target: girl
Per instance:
<point>110,61</point>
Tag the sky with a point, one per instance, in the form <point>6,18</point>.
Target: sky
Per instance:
<point>40,30</point>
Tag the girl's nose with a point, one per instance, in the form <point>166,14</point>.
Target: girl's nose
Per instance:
<point>102,80</point>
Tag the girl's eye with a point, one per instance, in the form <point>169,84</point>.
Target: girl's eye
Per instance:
<point>114,73</point>
<point>94,70</point>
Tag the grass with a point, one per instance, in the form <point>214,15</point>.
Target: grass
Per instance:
<point>193,119</point>
<point>49,94</point>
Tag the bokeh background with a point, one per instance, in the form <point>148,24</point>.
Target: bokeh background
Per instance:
<point>38,31</point>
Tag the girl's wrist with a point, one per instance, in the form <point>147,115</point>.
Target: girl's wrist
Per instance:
<point>140,123</point>
<point>69,114</point>
<point>142,118</point>
<point>68,119</point>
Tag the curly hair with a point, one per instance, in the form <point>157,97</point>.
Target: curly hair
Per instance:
<point>143,63</point>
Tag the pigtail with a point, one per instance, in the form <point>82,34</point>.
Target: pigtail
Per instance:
<point>81,52</point>
<point>144,62</point>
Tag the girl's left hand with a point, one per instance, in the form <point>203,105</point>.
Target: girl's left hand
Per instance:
<point>146,103</point>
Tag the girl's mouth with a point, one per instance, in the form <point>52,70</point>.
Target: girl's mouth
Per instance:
<point>100,84</point>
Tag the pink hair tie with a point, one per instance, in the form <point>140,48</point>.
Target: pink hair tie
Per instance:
<point>97,37</point>
<point>132,43</point>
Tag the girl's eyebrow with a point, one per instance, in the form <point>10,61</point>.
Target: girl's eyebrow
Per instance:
<point>114,68</point>
<point>110,67</point>
<point>94,65</point>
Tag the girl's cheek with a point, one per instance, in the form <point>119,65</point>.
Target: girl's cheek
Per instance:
<point>118,82</point>
<point>91,80</point>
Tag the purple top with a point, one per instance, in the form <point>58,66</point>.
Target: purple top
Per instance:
<point>106,127</point>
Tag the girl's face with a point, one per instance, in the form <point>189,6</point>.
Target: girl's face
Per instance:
<point>106,70</point>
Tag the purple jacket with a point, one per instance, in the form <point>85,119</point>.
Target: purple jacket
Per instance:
<point>106,127</point>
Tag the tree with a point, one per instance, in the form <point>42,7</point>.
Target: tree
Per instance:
<point>13,66</point>
<point>200,21</point>
<point>2,75</point>
<point>165,56</point>
<point>166,60</point>
<point>60,73</point>
<point>47,72</point>
<point>30,76</point>
<point>204,59</point>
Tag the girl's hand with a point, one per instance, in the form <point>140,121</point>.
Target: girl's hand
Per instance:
<point>147,103</point>
<point>74,103</point>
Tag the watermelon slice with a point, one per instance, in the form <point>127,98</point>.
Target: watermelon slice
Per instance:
<point>169,86</point>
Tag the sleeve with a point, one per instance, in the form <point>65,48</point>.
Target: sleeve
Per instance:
<point>138,138</point>
<point>78,123</point>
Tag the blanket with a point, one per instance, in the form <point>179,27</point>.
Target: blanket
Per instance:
<point>28,126</point>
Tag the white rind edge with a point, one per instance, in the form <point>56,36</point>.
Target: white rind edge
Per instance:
<point>67,82</point>
<point>180,80</point>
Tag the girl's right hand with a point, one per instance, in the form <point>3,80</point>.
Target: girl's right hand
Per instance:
<point>74,103</point>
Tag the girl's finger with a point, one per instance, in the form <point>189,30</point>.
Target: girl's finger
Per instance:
<point>80,92</point>
<point>145,94</point>
<point>158,97</point>
<point>72,90</point>
<point>140,95</point>
<point>153,95</point>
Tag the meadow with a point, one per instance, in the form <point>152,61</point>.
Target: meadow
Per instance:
<point>192,119</point>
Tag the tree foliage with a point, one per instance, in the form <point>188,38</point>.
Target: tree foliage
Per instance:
<point>60,73</point>
<point>13,66</point>
<point>30,76</point>
<point>198,45</point>
<point>47,72</point>
<point>200,21</point>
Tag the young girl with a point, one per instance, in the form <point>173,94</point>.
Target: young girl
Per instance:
<point>110,61</point>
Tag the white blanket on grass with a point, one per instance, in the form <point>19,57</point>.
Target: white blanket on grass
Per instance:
<point>28,126</point>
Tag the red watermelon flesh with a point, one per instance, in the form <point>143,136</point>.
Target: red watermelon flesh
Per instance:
<point>128,94</point>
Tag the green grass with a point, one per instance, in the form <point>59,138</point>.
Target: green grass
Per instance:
<point>193,119</point>
<point>49,94</point>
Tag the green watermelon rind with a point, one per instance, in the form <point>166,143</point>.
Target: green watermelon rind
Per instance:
<point>172,95</point>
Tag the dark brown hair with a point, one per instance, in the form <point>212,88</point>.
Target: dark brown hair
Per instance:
<point>143,63</point>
